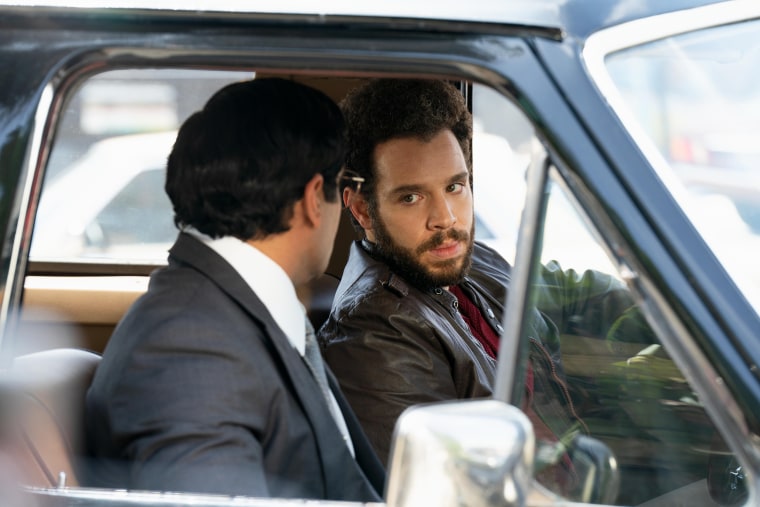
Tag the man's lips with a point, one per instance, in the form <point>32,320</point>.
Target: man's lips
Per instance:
<point>447,250</point>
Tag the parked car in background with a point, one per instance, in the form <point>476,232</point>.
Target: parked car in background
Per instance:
<point>611,135</point>
<point>129,217</point>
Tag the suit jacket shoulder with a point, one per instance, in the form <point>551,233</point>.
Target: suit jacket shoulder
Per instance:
<point>199,390</point>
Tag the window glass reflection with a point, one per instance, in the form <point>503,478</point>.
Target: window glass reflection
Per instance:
<point>630,398</point>
<point>697,99</point>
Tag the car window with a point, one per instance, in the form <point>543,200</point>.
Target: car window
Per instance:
<point>118,129</point>
<point>628,394</point>
<point>113,139</point>
<point>501,143</point>
<point>136,215</point>
<point>694,98</point>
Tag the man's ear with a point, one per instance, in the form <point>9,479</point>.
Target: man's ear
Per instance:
<point>357,204</point>
<point>313,195</point>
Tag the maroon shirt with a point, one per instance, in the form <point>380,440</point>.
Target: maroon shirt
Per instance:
<point>487,336</point>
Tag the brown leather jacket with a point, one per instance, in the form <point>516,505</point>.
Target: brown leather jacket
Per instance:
<point>392,346</point>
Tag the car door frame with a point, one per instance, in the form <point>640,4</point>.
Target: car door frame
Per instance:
<point>685,292</point>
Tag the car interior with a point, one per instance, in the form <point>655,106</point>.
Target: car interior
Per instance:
<point>69,312</point>
<point>71,306</point>
<point>89,308</point>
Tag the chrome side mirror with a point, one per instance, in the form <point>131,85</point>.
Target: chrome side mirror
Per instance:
<point>597,468</point>
<point>475,453</point>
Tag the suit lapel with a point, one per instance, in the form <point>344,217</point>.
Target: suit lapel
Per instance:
<point>333,451</point>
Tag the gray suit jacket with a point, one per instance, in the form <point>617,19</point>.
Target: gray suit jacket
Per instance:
<point>200,391</point>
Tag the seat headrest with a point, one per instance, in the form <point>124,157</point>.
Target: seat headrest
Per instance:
<point>54,384</point>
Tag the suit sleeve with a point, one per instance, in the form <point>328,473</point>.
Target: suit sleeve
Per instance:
<point>185,407</point>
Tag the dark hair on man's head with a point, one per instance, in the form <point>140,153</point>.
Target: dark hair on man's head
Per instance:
<point>239,164</point>
<point>386,109</point>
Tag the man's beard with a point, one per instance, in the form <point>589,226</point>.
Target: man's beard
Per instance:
<point>405,261</point>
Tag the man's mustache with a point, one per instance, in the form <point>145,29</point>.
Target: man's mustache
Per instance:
<point>440,237</point>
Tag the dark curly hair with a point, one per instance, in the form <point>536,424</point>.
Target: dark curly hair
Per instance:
<point>385,109</point>
<point>240,163</point>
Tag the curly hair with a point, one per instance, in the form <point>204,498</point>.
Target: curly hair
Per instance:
<point>238,165</point>
<point>385,109</point>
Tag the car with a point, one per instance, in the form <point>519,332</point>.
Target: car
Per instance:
<point>131,210</point>
<point>582,110</point>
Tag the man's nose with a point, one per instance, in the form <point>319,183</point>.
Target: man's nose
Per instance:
<point>442,214</point>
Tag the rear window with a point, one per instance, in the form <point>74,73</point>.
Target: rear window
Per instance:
<point>103,197</point>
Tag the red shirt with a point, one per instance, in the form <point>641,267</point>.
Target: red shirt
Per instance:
<point>487,336</point>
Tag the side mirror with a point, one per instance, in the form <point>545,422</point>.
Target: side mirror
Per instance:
<point>475,453</point>
<point>596,466</point>
<point>481,453</point>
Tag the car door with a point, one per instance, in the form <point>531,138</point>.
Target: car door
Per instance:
<point>667,384</point>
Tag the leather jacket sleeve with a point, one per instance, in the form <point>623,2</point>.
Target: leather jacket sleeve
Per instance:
<point>388,356</point>
<point>392,345</point>
<point>383,369</point>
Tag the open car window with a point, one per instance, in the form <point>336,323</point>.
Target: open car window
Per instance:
<point>114,136</point>
<point>116,133</point>
<point>111,144</point>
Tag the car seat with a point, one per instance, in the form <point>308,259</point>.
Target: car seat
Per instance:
<point>52,385</point>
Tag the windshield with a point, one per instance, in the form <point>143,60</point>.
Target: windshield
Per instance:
<point>697,98</point>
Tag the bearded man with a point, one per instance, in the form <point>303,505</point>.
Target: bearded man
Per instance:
<point>417,315</point>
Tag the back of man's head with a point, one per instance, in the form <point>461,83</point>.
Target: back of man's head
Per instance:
<point>386,109</point>
<point>239,164</point>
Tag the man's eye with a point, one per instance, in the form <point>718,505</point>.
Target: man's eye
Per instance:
<point>455,187</point>
<point>410,198</point>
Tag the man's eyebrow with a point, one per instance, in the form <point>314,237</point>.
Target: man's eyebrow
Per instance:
<point>408,189</point>
<point>464,175</point>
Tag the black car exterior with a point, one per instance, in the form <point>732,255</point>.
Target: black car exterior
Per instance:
<point>546,57</point>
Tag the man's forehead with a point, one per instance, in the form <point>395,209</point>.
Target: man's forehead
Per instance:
<point>411,162</point>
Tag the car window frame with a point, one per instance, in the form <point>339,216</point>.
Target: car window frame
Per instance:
<point>68,78</point>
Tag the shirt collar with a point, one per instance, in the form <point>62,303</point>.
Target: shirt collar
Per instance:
<point>267,279</point>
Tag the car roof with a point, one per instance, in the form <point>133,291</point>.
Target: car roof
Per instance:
<point>528,12</point>
<point>553,18</point>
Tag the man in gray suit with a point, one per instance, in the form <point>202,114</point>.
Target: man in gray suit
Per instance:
<point>205,386</point>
